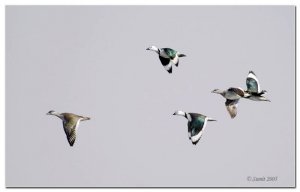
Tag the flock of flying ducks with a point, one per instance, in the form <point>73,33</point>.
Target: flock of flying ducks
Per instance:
<point>196,122</point>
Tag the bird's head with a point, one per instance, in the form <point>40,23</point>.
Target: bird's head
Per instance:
<point>218,91</point>
<point>178,112</point>
<point>85,118</point>
<point>50,112</point>
<point>152,48</point>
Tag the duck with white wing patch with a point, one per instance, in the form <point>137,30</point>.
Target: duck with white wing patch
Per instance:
<point>196,124</point>
<point>167,57</point>
<point>253,88</point>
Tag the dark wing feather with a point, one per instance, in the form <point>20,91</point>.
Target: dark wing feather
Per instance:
<point>70,130</point>
<point>166,63</point>
<point>196,126</point>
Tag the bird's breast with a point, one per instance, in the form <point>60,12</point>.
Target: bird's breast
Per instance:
<point>163,54</point>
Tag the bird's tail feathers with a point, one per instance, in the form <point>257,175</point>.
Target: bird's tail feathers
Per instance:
<point>211,119</point>
<point>246,94</point>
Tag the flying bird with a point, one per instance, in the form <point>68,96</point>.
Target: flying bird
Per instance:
<point>167,57</point>
<point>253,88</point>
<point>70,124</point>
<point>196,124</point>
<point>232,96</point>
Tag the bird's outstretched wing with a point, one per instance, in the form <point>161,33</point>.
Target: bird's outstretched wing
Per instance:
<point>252,83</point>
<point>166,63</point>
<point>70,130</point>
<point>196,127</point>
<point>231,106</point>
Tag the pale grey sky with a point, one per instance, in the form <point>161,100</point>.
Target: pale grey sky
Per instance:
<point>91,60</point>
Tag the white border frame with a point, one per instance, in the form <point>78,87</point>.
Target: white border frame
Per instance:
<point>3,3</point>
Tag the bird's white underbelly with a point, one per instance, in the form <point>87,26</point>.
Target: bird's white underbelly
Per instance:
<point>175,60</point>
